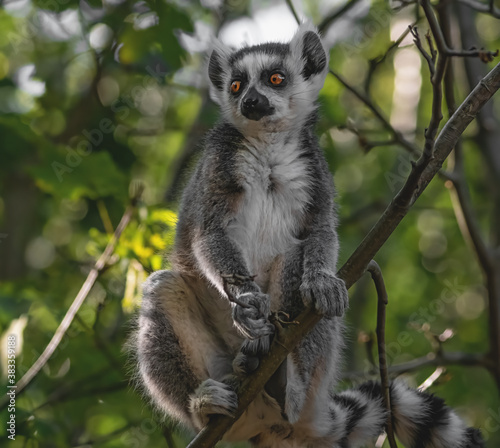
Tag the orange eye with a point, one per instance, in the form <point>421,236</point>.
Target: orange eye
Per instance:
<point>277,79</point>
<point>235,86</point>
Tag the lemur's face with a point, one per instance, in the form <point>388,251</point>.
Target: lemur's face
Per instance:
<point>269,87</point>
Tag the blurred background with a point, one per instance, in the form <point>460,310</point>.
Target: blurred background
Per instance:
<point>97,96</point>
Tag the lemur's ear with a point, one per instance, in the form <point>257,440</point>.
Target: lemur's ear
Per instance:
<point>217,69</point>
<point>307,46</point>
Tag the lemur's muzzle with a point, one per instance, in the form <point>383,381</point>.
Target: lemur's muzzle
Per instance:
<point>254,105</point>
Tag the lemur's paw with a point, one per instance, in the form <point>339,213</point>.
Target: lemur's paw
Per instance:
<point>252,319</point>
<point>326,293</point>
<point>212,397</point>
<point>256,347</point>
<point>248,359</point>
<point>244,364</point>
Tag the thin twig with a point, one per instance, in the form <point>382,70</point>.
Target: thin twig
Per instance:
<point>444,49</point>
<point>378,279</point>
<point>375,63</point>
<point>77,302</point>
<point>418,43</point>
<point>398,137</point>
<point>433,377</point>
<point>437,74</point>
<point>430,360</point>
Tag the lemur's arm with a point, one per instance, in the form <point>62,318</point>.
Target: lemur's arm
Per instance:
<point>320,285</point>
<point>217,256</point>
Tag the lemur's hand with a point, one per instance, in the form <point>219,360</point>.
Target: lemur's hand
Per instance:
<point>252,319</point>
<point>325,292</point>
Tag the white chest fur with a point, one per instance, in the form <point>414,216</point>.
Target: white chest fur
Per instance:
<point>276,184</point>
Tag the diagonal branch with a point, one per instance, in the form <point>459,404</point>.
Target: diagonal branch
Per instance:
<point>416,183</point>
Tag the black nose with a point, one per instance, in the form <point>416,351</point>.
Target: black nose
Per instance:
<point>254,105</point>
<point>251,100</point>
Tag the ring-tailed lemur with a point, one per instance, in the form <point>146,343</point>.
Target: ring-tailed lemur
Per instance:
<point>257,233</point>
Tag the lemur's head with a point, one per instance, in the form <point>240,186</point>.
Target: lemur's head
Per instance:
<point>269,87</point>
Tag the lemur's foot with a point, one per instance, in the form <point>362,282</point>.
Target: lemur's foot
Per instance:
<point>326,293</point>
<point>252,319</point>
<point>245,364</point>
<point>212,397</point>
<point>248,359</point>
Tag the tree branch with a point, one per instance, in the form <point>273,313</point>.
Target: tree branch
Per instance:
<point>417,182</point>
<point>378,279</point>
<point>482,7</point>
<point>433,359</point>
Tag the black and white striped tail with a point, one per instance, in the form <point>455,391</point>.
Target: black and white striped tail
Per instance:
<point>420,420</point>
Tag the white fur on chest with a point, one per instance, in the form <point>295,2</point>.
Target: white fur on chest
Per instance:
<point>276,192</point>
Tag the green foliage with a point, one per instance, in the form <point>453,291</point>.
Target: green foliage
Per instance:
<point>113,100</point>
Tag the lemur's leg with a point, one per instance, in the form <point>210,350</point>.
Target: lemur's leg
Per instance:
<point>315,360</point>
<point>181,358</point>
